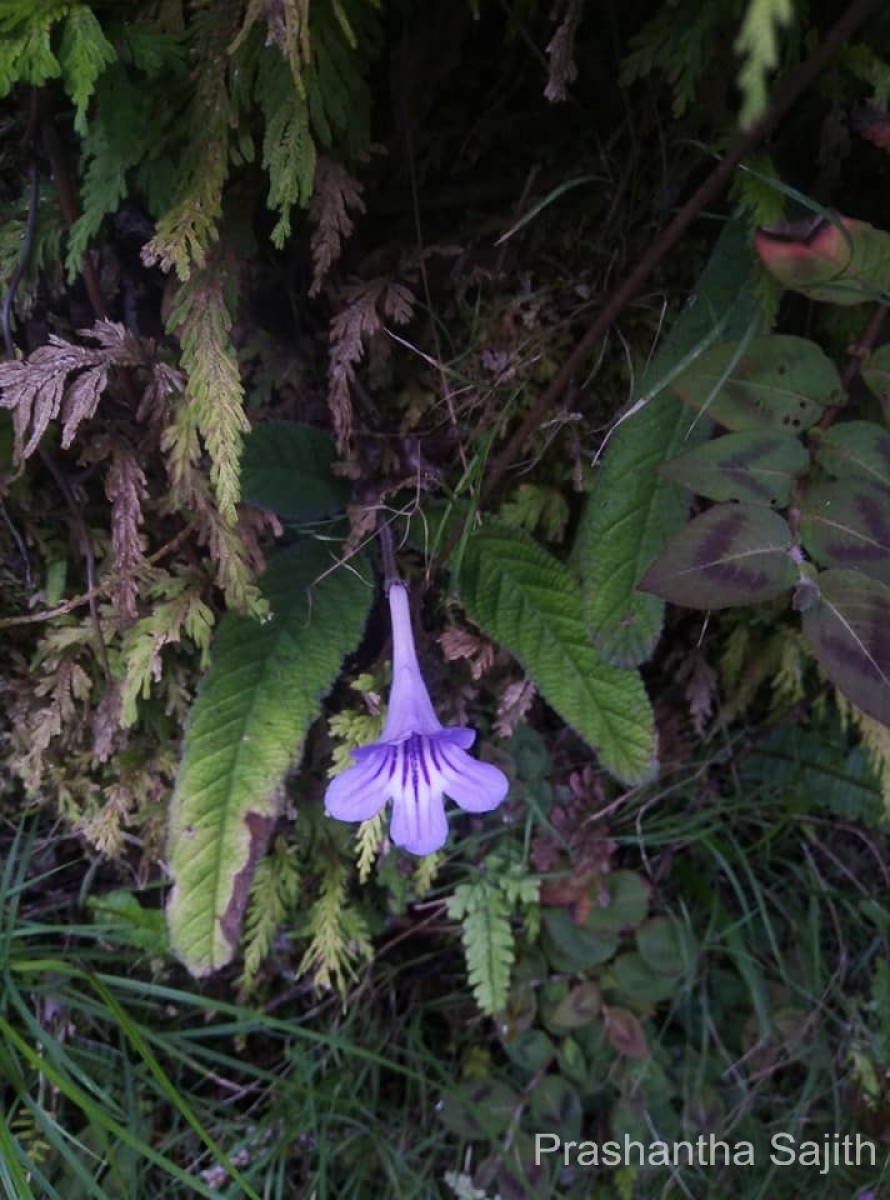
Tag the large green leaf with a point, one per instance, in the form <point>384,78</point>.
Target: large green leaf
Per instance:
<point>846,524</point>
<point>834,258</point>
<point>732,554</point>
<point>848,630</point>
<point>855,450</point>
<point>528,602</point>
<point>286,467</point>
<point>631,511</point>
<point>754,466</point>
<point>775,382</point>
<point>246,728</point>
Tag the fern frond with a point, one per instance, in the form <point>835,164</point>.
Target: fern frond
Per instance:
<point>678,42</point>
<point>273,898</point>
<point>64,381</point>
<point>84,54</point>
<point>26,54</point>
<point>335,194</point>
<point>288,28</point>
<point>425,874</point>
<point>126,488</point>
<point>876,739</point>
<point>758,45</point>
<point>534,507</point>
<point>368,840</point>
<point>288,148</point>
<point>338,934</point>
<point>214,392</point>
<point>484,912</point>
<point>176,609</point>
<point>187,230</point>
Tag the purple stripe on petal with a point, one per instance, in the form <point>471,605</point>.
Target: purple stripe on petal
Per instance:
<point>418,820</point>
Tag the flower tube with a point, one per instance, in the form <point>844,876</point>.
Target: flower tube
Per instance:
<point>417,761</point>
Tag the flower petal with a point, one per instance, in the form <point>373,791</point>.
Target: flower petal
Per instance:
<point>418,807</point>
<point>474,786</point>
<point>410,708</point>
<point>359,792</point>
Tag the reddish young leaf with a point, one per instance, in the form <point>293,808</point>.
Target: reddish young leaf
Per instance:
<point>775,382</point>
<point>733,554</point>
<point>872,124</point>
<point>847,524</point>
<point>834,258</point>
<point>849,633</point>
<point>758,467</point>
<point>624,1031</point>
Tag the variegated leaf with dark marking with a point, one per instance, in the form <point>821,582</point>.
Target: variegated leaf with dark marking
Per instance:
<point>846,524</point>
<point>732,554</point>
<point>754,466</point>
<point>855,450</point>
<point>774,382</point>
<point>849,633</point>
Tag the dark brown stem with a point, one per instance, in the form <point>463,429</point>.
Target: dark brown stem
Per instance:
<point>862,346</point>
<point>52,145</point>
<point>786,94</point>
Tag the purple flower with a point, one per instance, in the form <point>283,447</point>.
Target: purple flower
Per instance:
<point>417,761</point>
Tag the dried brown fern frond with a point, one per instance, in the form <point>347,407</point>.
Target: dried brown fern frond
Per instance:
<point>65,381</point>
<point>516,700</point>
<point>561,50</point>
<point>125,487</point>
<point>336,193</point>
<point>367,306</point>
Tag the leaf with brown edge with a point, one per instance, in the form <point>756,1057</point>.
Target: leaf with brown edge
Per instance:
<point>760,467</point>
<point>625,1033</point>
<point>848,630</point>
<point>855,450</point>
<point>774,382</point>
<point>831,258</point>
<point>733,554</point>
<point>246,729</point>
<point>846,524</point>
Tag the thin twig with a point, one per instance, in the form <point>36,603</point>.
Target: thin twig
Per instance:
<point>100,590</point>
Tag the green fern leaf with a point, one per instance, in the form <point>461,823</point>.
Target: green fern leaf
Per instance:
<point>288,148</point>
<point>338,932</point>
<point>488,941</point>
<point>632,512</point>
<point>337,94</point>
<point>758,44</point>
<point>527,601</point>
<point>201,318</point>
<point>273,897</point>
<point>84,54</point>
<point>28,58</point>
<point>188,228</point>
<point>246,728</point>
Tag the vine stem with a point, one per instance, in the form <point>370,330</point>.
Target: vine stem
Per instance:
<point>786,94</point>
